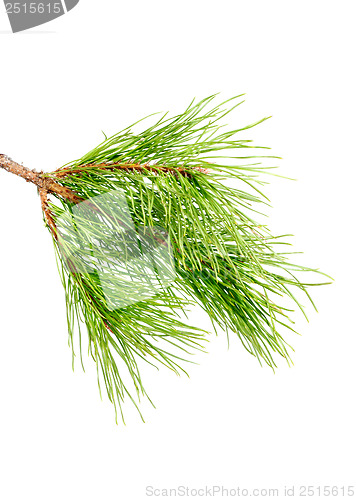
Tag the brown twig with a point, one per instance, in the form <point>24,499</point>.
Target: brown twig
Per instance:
<point>128,167</point>
<point>42,182</point>
<point>47,212</point>
<point>45,185</point>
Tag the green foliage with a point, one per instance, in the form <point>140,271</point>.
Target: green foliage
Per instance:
<point>224,260</point>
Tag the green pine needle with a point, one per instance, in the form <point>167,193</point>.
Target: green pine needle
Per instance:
<point>175,175</point>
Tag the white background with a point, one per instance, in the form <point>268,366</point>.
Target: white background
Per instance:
<point>100,67</point>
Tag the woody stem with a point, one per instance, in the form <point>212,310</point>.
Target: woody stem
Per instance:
<point>45,186</point>
<point>37,178</point>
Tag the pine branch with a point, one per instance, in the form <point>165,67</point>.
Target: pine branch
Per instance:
<point>45,186</point>
<point>126,167</point>
<point>147,224</point>
<point>39,179</point>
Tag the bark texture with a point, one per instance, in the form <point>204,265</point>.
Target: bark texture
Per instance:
<point>45,185</point>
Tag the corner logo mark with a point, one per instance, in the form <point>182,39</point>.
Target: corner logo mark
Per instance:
<point>28,13</point>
